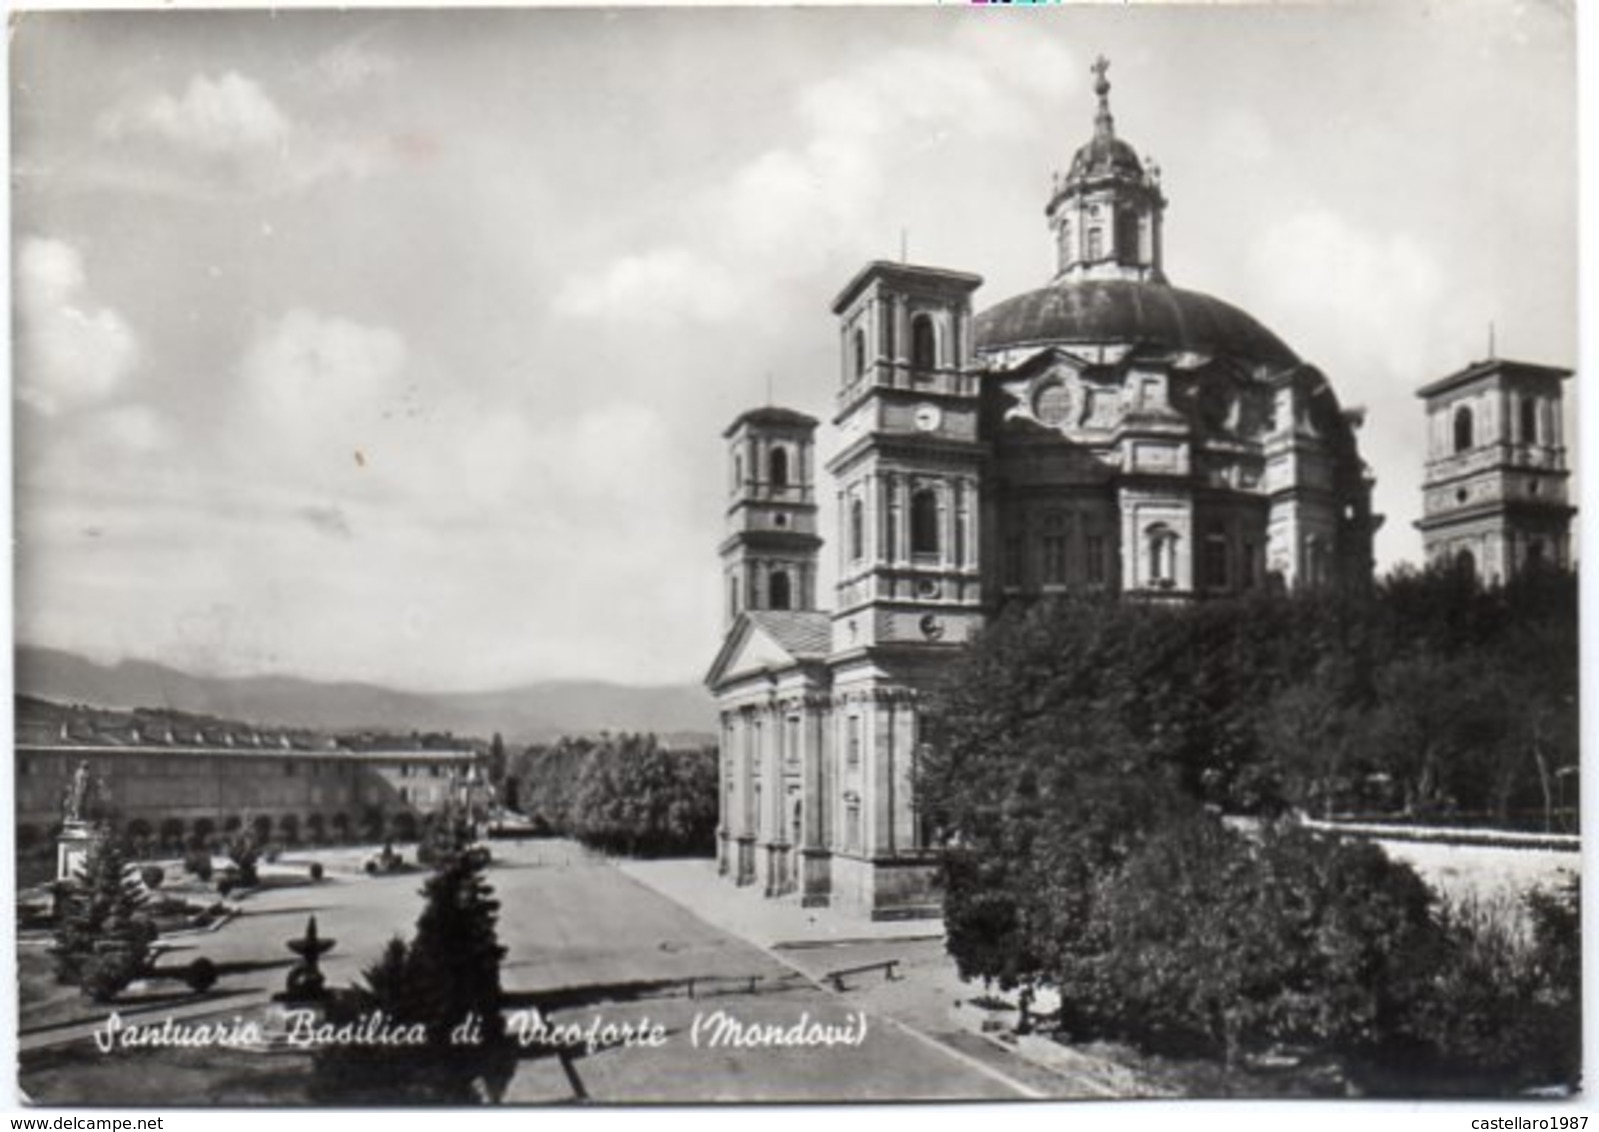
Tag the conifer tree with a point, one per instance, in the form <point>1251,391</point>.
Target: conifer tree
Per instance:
<point>103,941</point>
<point>447,979</point>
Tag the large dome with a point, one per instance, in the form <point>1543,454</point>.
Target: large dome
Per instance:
<point>1127,311</point>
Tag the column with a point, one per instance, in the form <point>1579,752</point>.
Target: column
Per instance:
<point>724,794</point>
<point>945,498</point>
<point>816,879</point>
<point>905,722</point>
<point>743,801</point>
<point>879,792</point>
<point>882,522</point>
<point>902,510</point>
<point>772,793</point>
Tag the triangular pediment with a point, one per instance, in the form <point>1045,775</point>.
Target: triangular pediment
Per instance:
<point>752,648</point>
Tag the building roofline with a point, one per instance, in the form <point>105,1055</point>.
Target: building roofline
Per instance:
<point>332,754</point>
<point>1487,368</point>
<point>904,272</point>
<point>771,415</point>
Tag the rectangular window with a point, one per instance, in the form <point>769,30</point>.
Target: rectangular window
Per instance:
<point>1216,562</point>
<point>1247,566</point>
<point>791,741</point>
<point>1014,573</point>
<point>1054,560</point>
<point>1094,553</point>
<point>853,747</point>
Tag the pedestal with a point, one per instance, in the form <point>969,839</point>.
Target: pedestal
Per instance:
<point>745,865</point>
<point>72,848</point>
<point>816,878</point>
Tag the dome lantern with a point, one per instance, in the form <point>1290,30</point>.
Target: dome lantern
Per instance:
<point>1106,211</point>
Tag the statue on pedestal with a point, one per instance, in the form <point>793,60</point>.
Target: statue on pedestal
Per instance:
<point>78,803</point>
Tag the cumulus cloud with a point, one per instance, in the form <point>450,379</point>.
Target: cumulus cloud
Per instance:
<point>788,206</point>
<point>1379,292</point>
<point>327,519</point>
<point>226,115</point>
<point>72,352</point>
<point>659,286</point>
<point>307,367</point>
<point>224,136</point>
<point>353,64</point>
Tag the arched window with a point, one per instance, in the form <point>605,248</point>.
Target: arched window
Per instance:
<point>779,467</point>
<point>732,597</point>
<point>781,596</point>
<point>860,353</point>
<point>857,530</point>
<point>1096,244</point>
<point>1161,543</point>
<point>1054,549</point>
<point>924,521</point>
<point>1316,561</point>
<point>1466,563</point>
<point>738,471</point>
<point>1215,560</point>
<point>1127,237</point>
<point>1463,429</point>
<point>924,343</point>
<point>1529,421</point>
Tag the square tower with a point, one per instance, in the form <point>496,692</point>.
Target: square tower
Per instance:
<point>1494,494</point>
<point>769,555</point>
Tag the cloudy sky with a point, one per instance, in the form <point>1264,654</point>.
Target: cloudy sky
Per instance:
<point>396,346</point>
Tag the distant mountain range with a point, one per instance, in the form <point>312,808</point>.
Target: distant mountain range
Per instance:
<point>532,713</point>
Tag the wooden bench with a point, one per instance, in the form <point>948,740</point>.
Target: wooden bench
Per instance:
<point>837,977</point>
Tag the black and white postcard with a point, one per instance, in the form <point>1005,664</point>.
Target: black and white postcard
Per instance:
<point>680,555</point>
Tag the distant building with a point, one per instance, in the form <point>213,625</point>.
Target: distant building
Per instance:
<point>1494,493</point>
<point>171,782</point>
<point>1106,432</point>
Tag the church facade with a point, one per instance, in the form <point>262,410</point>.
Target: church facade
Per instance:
<point>1106,432</point>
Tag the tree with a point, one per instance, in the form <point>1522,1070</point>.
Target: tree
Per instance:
<point>1081,758</point>
<point>446,980</point>
<point>103,940</point>
<point>497,760</point>
<point>635,797</point>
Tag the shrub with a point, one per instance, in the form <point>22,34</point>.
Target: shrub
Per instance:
<point>103,929</point>
<point>244,854</point>
<point>201,975</point>
<point>1504,1005</point>
<point>107,974</point>
<point>315,870</point>
<point>152,875</point>
<point>197,862</point>
<point>226,884</point>
<point>1227,945</point>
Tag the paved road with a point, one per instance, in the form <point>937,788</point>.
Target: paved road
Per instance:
<point>582,927</point>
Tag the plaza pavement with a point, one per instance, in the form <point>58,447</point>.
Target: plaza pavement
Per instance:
<point>928,996</point>
<point>616,950</point>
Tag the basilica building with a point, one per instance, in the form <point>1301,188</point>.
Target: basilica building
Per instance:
<point>1106,432</point>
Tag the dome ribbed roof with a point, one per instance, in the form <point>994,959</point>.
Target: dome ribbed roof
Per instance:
<point>1126,311</point>
<point>1106,156</point>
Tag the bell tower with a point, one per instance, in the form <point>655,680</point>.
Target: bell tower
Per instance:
<point>1494,494</point>
<point>769,555</point>
<point>1106,211</point>
<point>908,468</point>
